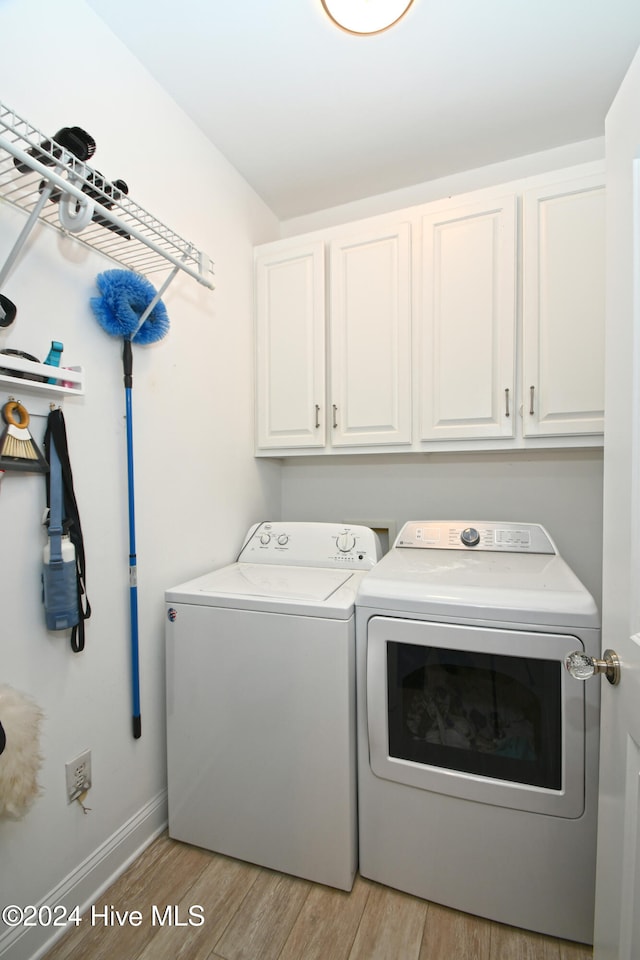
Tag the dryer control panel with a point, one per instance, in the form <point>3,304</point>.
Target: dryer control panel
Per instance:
<point>475,535</point>
<point>297,543</point>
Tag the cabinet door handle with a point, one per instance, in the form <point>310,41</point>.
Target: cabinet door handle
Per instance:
<point>531,393</point>
<point>317,415</point>
<point>335,416</point>
<point>506,402</point>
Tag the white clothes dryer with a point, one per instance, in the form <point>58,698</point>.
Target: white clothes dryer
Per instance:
<point>477,752</point>
<point>261,716</point>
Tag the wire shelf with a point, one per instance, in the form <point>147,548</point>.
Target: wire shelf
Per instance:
<point>32,165</point>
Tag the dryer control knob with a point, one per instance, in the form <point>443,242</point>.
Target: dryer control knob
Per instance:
<point>283,539</point>
<point>345,542</point>
<point>470,537</point>
<point>265,538</point>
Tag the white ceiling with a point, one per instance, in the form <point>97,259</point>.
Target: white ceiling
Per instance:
<point>314,117</point>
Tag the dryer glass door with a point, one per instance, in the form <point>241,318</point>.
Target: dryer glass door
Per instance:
<point>490,714</point>
<point>479,713</point>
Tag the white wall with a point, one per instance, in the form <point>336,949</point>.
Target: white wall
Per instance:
<point>490,176</point>
<point>198,486</point>
<point>562,491</point>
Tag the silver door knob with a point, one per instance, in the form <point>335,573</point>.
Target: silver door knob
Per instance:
<point>582,667</point>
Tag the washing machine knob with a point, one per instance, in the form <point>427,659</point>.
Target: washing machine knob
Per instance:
<point>265,538</point>
<point>345,542</point>
<point>283,539</point>
<point>470,537</point>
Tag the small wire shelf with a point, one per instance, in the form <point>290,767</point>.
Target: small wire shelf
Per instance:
<point>50,184</point>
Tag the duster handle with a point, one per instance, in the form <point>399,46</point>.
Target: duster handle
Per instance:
<point>127,364</point>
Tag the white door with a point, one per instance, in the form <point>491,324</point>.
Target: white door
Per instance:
<point>563,307</point>
<point>467,357</point>
<point>617,927</point>
<point>290,325</point>
<point>371,337</point>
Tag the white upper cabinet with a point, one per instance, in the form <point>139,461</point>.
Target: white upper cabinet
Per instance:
<point>370,332</point>
<point>564,308</point>
<point>290,346</point>
<point>468,320</point>
<point>469,323</point>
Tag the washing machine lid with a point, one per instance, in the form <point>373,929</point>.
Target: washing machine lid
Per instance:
<point>311,591</point>
<point>498,585</point>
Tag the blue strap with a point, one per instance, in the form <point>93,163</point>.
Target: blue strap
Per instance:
<point>55,505</point>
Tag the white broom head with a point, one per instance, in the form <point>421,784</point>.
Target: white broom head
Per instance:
<point>20,760</point>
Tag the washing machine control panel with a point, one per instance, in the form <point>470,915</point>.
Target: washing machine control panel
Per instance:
<point>297,543</point>
<point>463,535</point>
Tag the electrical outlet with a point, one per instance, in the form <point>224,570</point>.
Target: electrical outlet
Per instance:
<point>78,773</point>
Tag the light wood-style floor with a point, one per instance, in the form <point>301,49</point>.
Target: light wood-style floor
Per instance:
<point>256,914</point>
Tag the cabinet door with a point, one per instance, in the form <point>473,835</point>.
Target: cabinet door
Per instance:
<point>371,338</point>
<point>468,321</point>
<point>564,308</point>
<point>290,343</point>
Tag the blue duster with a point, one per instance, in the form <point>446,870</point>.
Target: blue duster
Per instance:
<point>125,298</point>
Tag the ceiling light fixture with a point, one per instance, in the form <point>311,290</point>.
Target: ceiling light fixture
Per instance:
<point>366,16</point>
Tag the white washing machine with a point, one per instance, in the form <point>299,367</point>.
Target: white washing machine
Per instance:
<point>261,716</point>
<point>477,752</point>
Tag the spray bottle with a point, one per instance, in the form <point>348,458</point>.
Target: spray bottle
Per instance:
<point>60,593</point>
<point>53,357</point>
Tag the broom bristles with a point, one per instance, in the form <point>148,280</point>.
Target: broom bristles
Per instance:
<point>18,443</point>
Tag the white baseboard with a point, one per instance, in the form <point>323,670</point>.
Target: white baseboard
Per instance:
<point>90,879</point>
